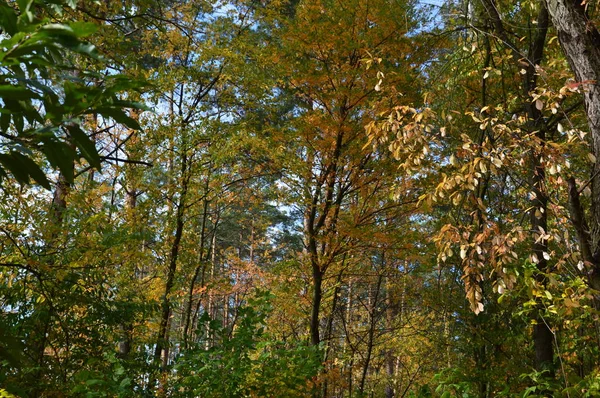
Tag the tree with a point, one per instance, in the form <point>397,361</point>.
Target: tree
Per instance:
<point>42,111</point>
<point>578,37</point>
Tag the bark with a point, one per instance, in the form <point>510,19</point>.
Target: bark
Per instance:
<point>209,305</point>
<point>200,267</point>
<point>126,327</point>
<point>320,220</point>
<point>330,322</point>
<point>315,338</point>
<point>125,343</point>
<point>371,333</point>
<point>390,361</point>
<point>39,336</point>
<point>59,204</point>
<point>580,41</point>
<point>161,340</point>
<point>543,337</point>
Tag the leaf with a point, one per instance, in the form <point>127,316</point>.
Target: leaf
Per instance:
<point>12,165</point>
<point>119,116</point>
<point>4,121</point>
<point>85,145</point>
<point>546,255</point>
<point>539,104</point>
<point>83,29</point>
<point>19,122</point>
<point>17,92</point>
<point>60,156</point>
<point>32,169</point>
<point>131,104</point>
<point>8,19</point>
<point>58,29</point>
<point>125,383</point>
<point>25,8</point>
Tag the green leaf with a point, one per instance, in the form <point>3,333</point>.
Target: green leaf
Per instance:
<point>25,8</point>
<point>4,121</point>
<point>119,116</point>
<point>12,165</point>
<point>60,156</point>
<point>32,169</point>
<point>27,49</point>
<point>85,145</point>
<point>131,105</point>
<point>17,92</point>
<point>83,29</point>
<point>74,95</point>
<point>24,4</point>
<point>8,19</point>
<point>32,114</point>
<point>125,383</point>
<point>19,122</point>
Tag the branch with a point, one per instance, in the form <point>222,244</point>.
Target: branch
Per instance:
<point>23,267</point>
<point>126,160</point>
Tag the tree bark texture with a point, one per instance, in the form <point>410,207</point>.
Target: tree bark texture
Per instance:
<point>580,41</point>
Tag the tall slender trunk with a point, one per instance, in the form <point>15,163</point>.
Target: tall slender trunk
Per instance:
<point>209,305</point>
<point>126,327</point>
<point>543,337</point>
<point>330,322</point>
<point>162,337</point>
<point>580,41</point>
<point>371,333</point>
<point>389,354</point>
<point>201,266</point>
<point>348,326</point>
<point>317,278</point>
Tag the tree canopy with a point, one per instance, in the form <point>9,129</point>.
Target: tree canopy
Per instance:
<point>299,198</point>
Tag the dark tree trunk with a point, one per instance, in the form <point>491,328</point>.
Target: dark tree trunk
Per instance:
<point>543,337</point>
<point>315,338</point>
<point>200,267</point>
<point>162,337</point>
<point>371,333</point>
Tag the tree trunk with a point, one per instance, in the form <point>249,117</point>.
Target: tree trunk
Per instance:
<point>542,336</point>
<point>161,340</point>
<point>316,304</point>
<point>200,267</point>
<point>371,333</point>
<point>580,41</point>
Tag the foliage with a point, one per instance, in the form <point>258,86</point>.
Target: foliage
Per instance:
<point>415,184</point>
<point>47,94</point>
<point>255,364</point>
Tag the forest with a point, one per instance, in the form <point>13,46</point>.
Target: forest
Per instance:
<point>299,198</point>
